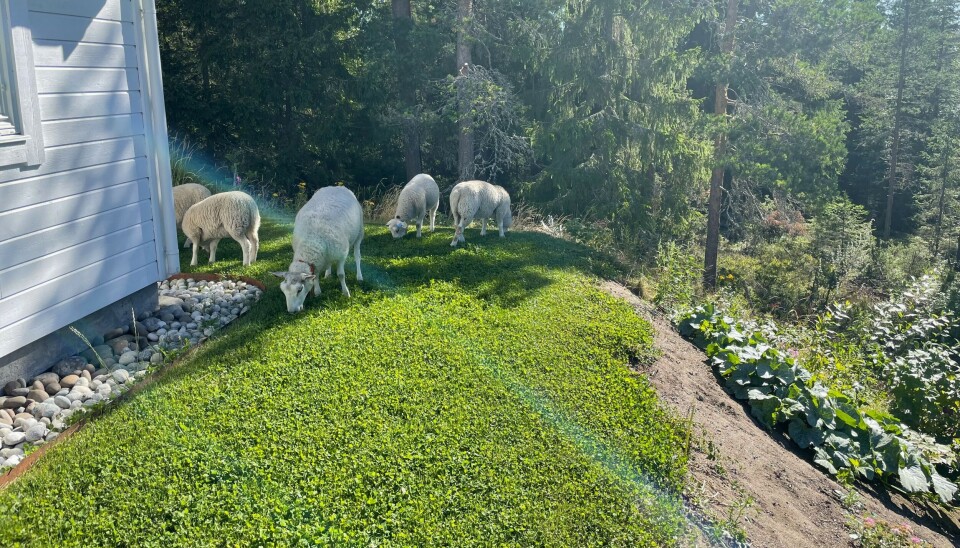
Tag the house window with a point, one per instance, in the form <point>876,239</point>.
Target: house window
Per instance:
<point>21,139</point>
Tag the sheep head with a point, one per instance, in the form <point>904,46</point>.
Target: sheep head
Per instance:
<point>295,287</point>
<point>397,227</point>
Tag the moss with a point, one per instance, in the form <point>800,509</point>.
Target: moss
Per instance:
<point>469,396</point>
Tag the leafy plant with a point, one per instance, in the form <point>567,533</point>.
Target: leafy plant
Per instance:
<point>867,443</point>
<point>678,278</point>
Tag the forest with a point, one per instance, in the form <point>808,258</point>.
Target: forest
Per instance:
<point>786,168</point>
<point>738,125</point>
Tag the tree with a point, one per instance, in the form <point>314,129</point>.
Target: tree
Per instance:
<point>897,118</point>
<point>402,27</point>
<point>721,103</point>
<point>465,150</point>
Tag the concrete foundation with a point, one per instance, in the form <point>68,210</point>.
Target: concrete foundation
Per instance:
<point>41,354</point>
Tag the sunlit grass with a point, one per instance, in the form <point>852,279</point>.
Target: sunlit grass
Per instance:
<point>468,396</point>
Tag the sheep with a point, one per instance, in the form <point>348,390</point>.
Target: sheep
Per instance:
<point>185,196</point>
<point>419,197</point>
<point>480,200</point>
<point>324,230</point>
<point>232,214</point>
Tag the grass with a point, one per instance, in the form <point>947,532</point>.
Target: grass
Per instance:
<point>475,396</point>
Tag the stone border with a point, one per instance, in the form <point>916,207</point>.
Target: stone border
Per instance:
<point>11,474</point>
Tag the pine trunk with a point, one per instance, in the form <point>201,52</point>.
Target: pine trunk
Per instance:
<point>721,103</point>
<point>402,27</point>
<point>897,118</point>
<point>465,152</point>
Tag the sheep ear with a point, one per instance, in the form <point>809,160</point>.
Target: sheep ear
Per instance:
<point>280,274</point>
<point>309,277</point>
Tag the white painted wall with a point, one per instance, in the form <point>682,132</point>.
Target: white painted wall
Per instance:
<point>93,222</point>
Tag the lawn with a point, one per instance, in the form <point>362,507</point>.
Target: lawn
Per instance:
<point>474,396</point>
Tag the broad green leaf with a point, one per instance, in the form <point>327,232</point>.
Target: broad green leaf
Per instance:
<point>945,489</point>
<point>803,436</point>
<point>913,479</point>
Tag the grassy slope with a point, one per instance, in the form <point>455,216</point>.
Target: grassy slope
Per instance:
<point>469,396</point>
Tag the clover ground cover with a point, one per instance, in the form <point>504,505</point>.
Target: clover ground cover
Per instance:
<point>475,396</point>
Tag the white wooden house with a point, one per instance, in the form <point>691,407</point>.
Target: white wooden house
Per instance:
<point>86,212</point>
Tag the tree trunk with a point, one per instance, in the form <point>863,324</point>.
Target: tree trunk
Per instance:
<point>720,145</point>
<point>897,115</point>
<point>944,174</point>
<point>402,26</point>
<point>465,152</point>
<point>945,153</point>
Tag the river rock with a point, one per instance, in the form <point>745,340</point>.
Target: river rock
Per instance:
<point>69,381</point>
<point>121,376</point>
<point>152,324</point>
<point>119,345</point>
<point>14,438</point>
<point>14,402</point>
<point>49,410</point>
<point>67,366</point>
<point>113,334</point>
<point>46,378</point>
<point>38,395</point>
<point>36,433</point>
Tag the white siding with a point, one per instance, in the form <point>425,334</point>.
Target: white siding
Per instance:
<point>78,232</point>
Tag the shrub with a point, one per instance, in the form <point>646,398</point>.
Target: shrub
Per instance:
<point>866,443</point>
<point>678,278</point>
<point>925,384</point>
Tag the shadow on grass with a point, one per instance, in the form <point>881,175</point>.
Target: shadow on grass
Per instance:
<point>501,271</point>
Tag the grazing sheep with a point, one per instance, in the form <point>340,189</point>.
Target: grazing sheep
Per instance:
<point>324,231</point>
<point>232,214</point>
<point>481,200</point>
<point>185,196</point>
<point>419,197</point>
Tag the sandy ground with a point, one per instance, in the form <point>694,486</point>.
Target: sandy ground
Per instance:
<point>738,468</point>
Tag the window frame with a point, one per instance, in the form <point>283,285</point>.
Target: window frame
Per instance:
<point>24,148</point>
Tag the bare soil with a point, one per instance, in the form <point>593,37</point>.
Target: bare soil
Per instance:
<point>743,473</point>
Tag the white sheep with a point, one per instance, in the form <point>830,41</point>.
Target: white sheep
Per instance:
<point>232,214</point>
<point>325,229</point>
<point>185,196</point>
<point>481,200</point>
<point>419,197</point>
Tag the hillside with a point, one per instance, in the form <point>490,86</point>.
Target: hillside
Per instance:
<point>479,395</point>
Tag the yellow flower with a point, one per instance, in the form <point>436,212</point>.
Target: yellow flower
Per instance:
<point>275,195</point>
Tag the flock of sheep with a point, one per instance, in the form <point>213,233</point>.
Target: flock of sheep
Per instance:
<point>329,225</point>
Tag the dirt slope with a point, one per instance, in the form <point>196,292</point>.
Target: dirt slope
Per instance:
<point>735,460</point>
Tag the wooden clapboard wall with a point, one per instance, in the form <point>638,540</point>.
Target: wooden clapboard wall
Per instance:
<point>78,232</point>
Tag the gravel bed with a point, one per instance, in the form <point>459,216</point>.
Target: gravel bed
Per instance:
<point>35,412</point>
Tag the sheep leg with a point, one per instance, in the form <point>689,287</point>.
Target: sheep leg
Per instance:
<point>458,233</point>
<point>196,246</point>
<point>316,286</point>
<point>433,217</point>
<point>419,226</point>
<point>500,226</point>
<point>254,245</point>
<point>343,277</point>
<point>356,257</point>
<point>483,226</point>
<point>244,248</point>
<point>213,250</point>
<point>327,273</point>
<point>186,243</point>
